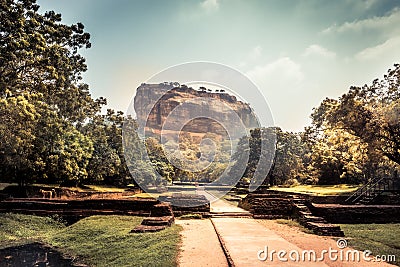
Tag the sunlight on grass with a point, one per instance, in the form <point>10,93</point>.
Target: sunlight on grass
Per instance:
<point>321,190</point>
<point>106,241</point>
<point>97,240</point>
<point>381,239</point>
<point>20,229</point>
<point>145,195</point>
<point>103,188</point>
<point>4,185</point>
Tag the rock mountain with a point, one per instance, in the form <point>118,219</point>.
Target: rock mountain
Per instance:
<point>171,108</point>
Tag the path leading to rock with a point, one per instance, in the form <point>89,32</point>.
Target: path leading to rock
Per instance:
<point>200,245</point>
<point>245,237</point>
<point>245,240</point>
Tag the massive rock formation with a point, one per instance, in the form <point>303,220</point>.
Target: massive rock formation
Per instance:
<point>171,108</point>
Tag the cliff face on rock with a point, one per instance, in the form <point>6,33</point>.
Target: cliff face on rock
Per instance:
<point>171,108</point>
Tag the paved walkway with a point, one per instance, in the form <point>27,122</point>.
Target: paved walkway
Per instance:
<point>246,240</point>
<point>245,237</point>
<point>223,206</point>
<point>200,246</point>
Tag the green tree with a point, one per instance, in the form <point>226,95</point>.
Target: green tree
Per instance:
<point>356,138</point>
<point>372,113</point>
<point>107,163</point>
<point>40,73</point>
<point>287,154</point>
<point>39,54</point>
<point>17,134</point>
<point>36,144</point>
<point>288,167</point>
<point>136,159</point>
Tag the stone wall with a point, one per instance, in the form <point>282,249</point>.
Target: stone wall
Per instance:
<point>357,213</point>
<point>268,205</point>
<point>74,210</point>
<point>183,204</point>
<point>274,204</point>
<point>384,199</point>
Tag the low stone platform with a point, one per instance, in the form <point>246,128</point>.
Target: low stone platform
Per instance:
<point>273,205</point>
<point>148,228</point>
<point>161,217</point>
<point>324,228</point>
<point>270,205</point>
<point>183,204</point>
<point>74,210</point>
<point>336,213</point>
<point>162,221</point>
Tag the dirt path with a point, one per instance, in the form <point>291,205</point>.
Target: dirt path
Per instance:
<point>200,245</point>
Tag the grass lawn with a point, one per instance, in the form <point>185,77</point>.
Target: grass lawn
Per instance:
<point>381,239</point>
<point>18,229</point>
<point>321,190</point>
<point>4,185</point>
<point>104,188</point>
<point>96,240</point>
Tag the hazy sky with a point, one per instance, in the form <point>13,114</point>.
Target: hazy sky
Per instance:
<point>297,52</point>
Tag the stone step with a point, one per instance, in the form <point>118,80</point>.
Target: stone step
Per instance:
<point>314,225</point>
<point>330,233</point>
<point>270,216</point>
<point>165,220</point>
<point>310,218</point>
<point>325,229</point>
<point>365,200</point>
<point>299,200</point>
<point>301,207</point>
<point>148,228</point>
<point>304,213</point>
<point>230,214</point>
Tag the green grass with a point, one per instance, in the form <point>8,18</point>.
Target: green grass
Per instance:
<point>16,229</point>
<point>97,240</point>
<point>4,185</point>
<point>381,239</point>
<point>146,195</point>
<point>320,190</point>
<point>191,216</point>
<point>104,188</point>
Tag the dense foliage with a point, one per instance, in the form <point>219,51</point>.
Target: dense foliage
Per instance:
<point>352,139</point>
<point>357,137</point>
<point>51,130</point>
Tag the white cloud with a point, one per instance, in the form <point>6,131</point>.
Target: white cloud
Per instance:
<point>282,74</point>
<point>386,23</point>
<point>390,48</point>
<point>256,52</point>
<point>252,56</point>
<point>369,3</point>
<point>210,5</point>
<point>319,51</point>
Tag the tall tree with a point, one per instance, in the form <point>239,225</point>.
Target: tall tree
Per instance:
<point>357,137</point>
<point>372,113</point>
<point>40,73</point>
<point>39,54</point>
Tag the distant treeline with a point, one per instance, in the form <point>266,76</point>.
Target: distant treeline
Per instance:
<point>52,130</point>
